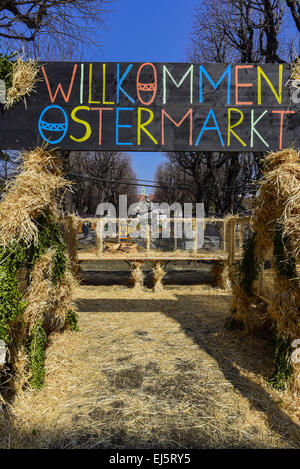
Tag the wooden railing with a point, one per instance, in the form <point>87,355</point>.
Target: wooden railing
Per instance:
<point>231,234</point>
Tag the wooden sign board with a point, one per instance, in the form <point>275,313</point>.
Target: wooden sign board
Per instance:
<point>156,107</point>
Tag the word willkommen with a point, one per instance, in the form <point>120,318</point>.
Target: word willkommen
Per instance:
<point>162,107</point>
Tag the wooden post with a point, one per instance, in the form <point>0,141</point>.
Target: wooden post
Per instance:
<point>241,234</point>
<point>99,238</point>
<point>148,241</point>
<point>175,234</point>
<point>231,244</point>
<point>194,224</point>
<point>233,239</point>
<point>119,238</point>
<point>225,224</point>
<point>70,237</point>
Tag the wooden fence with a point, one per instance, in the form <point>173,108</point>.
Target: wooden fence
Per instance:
<point>231,229</point>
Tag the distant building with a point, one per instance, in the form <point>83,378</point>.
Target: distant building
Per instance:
<point>145,204</point>
<point>144,197</point>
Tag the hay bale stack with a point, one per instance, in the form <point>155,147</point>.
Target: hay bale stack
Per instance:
<point>278,201</point>
<point>31,242</point>
<point>276,227</point>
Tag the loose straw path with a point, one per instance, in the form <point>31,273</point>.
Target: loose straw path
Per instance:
<point>154,370</point>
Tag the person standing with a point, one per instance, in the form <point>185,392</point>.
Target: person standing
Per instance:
<point>85,229</point>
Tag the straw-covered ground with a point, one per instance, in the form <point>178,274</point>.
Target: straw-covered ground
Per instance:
<point>154,370</point>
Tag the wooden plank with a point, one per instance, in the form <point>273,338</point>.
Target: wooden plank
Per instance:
<point>183,106</point>
<point>151,258</point>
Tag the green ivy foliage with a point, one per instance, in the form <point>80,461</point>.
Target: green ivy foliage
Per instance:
<point>6,69</point>
<point>15,256</point>
<point>49,237</point>
<point>11,304</point>
<point>36,355</point>
<point>72,321</point>
<point>282,368</point>
<point>249,266</point>
<point>286,268</point>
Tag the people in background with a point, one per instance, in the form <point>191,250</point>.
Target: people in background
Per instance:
<point>85,229</point>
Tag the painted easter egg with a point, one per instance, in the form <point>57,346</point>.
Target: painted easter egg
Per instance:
<point>53,124</point>
<point>146,90</point>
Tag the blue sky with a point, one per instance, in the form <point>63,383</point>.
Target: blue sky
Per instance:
<point>147,31</point>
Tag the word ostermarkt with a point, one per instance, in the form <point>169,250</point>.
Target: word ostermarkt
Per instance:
<point>163,107</point>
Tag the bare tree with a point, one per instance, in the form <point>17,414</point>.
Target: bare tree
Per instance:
<point>54,29</point>
<point>43,25</point>
<point>244,31</point>
<point>219,180</point>
<point>294,6</point>
<point>173,184</point>
<point>234,31</point>
<point>98,177</point>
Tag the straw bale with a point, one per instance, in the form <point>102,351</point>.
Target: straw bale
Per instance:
<point>47,300</point>
<point>284,307</point>
<point>158,274</point>
<point>221,276</point>
<point>64,300</point>
<point>278,200</point>
<point>295,69</point>
<point>32,193</point>
<point>24,80</point>
<point>40,295</point>
<point>137,276</point>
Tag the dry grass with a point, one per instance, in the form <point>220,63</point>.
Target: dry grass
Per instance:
<point>24,81</point>
<point>32,192</point>
<point>154,370</point>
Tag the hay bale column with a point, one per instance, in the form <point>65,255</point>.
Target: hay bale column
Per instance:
<point>158,272</point>
<point>137,276</point>
<point>31,240</point>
